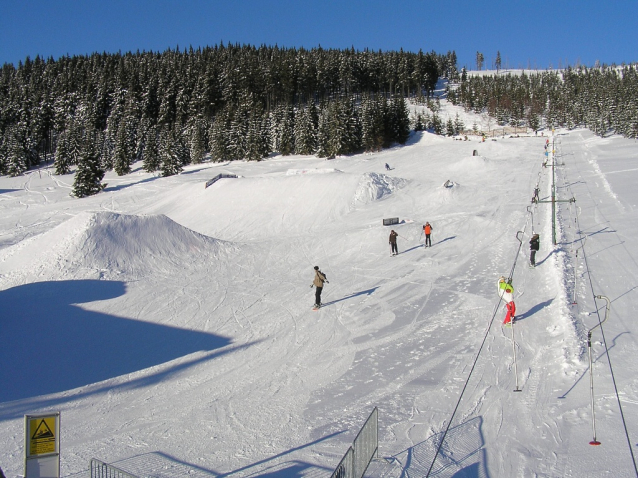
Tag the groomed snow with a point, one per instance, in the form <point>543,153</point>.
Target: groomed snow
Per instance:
<point>170,323</point>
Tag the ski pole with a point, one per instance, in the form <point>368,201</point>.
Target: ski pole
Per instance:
<point>575,266</point>
<point>529,210</point>
<point>591,374</point>
<point>520,243</point>
<point>517,389</point>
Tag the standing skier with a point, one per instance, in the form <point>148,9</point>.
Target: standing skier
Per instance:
<point>387,167</point>
<point>427,230</point>
<point>506,292</point>
<point>534,245</point>
<point>393,242</point>
<point>320,278</point>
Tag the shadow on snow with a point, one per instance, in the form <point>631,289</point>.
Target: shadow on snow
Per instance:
<point>461,456</point>
<point>355,294</point>
<point>52,344</point>
<point>533,310</point>
<point>276,466</point>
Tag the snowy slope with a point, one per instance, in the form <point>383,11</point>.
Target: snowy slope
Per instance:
<point>175,325</point>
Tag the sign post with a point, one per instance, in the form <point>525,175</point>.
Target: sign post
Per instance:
<point>42,446</point>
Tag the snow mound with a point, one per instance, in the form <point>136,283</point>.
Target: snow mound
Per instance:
<point>106,242</point>
<point>374,186</point>
<point>128,242</point>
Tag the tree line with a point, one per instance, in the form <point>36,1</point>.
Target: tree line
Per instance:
<point>603,99</point>
<point>105,111</point>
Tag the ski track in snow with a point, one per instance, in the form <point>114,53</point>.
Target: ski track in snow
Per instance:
<point>236,375</point>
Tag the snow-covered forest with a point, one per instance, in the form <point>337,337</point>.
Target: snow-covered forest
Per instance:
<point>105,111</point>
<point>603,99</point>
<point>236,102</point>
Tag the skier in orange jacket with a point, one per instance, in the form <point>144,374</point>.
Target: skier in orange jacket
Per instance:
<point>427,230</point>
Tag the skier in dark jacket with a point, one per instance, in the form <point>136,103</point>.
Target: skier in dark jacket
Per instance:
<point>534,245</point>
<point>393,242</point>
<point>320,278</point>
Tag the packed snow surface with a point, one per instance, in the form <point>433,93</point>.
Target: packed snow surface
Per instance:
<point>171,324</point>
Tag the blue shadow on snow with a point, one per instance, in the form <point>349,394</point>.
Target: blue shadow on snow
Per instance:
<point>533,310</point>
<point>461,456</point>
<point>51,344</point>
<point>355,294</point>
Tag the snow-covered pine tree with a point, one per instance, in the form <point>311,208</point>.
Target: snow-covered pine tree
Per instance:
<point>305,129</point>
<point>16,156</point>
<point>258,141</point>
<point>196,144</point>
<point>171,162</point>
<point>218,137</point>
<point>449,127</point>
<point>285,130</point>
<point>3,154</point>
<point>151,158</point>
<point>62,161</point>
<point>458,125</point>
<point>121,156</point>
<point>89,174</point>
<point>323,133</point>
<point>372,124</point>
<point>401,120</point>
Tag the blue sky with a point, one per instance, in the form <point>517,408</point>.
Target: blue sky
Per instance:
<point>527,34</point>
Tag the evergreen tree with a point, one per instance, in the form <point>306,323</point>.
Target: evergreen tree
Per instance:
<point>219,139</point>
<point>62,157</point>
<point>449,127</point>
<point>121,157</point>
<point>418,122</point>
<point>286,131</point>
<point>171,161</point>
<point>437,124</point>
<point>458,125</point>
<point>89,173</point>
<point>372,124</point>
<point>479,60</point>
<point>3,155</point>
<point>197,148</point>
<point>401,120</point>
<point>257,139</point>
<point>16,156</point>
<point>152,160</point>
<point>305,130</point>
<point>324,133</point>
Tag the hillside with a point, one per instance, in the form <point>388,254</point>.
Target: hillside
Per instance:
<point>172,323</point>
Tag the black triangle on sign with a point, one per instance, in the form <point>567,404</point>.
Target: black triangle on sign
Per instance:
<point>42,431</point>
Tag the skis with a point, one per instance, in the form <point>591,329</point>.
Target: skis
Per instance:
<point>314,307</point>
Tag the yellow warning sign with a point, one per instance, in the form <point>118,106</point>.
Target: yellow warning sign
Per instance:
<point>42,435</point>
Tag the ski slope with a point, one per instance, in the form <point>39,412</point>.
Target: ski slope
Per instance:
<point>171,324</point>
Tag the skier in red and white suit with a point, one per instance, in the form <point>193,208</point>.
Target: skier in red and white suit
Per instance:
<point>506,292</point>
